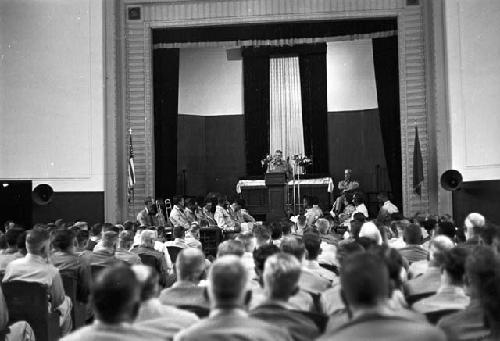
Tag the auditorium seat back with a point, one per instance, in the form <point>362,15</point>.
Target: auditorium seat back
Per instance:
<point>28,301</point>
<point>70,284</point>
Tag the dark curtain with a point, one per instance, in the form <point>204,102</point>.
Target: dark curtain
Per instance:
<point>314,107</point>
<point>385,60</point>
<point>166,98</point>
<point>256,106</point>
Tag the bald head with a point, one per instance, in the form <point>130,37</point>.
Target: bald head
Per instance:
<point>190,265</point>
<point>227,269</point>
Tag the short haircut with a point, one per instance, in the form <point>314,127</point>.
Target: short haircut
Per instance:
<point>429,224</point>
<point>247,240</point>
<point>225,270</point>
<point>126,239</point>
<point>115,293</point>
<point>147,236</point>
<point>82,236</point>
<point>21,240</point>
<point>286,227</point>
<point>347,248</point>
<point>262,253</point>
<point>363,287</point>
<point>312,243</point>
<point>109,239</point>
<point>301,219</point>
<point>12,234</point>
<point>178,232</point>
<point>323,225</point>
<point>261,233</point>
<point>392,259</point>
<point>438,247</point>
<point>96,229</point>
<point>276,230</point>
<point>148,279</point>
<point>36,239</point>
<point>281,276</point>
<point>231,247</point>
<point>446,228</point>
<point>454,264</point>
<point>190,264</point>
<point>176,199</point>
<point>359,217</point>
<point>293,246</point>
<point>63,239</point>
<point>412,234</point>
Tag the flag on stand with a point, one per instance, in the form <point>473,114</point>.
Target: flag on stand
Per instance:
<point>131,168</point>
<point>418,166</point>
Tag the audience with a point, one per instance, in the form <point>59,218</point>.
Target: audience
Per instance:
<point>123,253</point>
<point>95,236</point>
<point>11,252</point>
<point>146,249</point>
<point>35,267</point>
<point>281,278</point>
<point>228,319</point>
<point>104,252</point>
<point>365,294</point>
<point>473,224</point>
<point>312,244</point>
<point>248,242</point>
<point>413,251</point>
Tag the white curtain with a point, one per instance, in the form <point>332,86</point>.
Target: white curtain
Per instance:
<point>286,130</point>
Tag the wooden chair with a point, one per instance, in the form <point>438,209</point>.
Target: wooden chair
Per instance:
<point>79,311</point>
<point>28,301</point>
<point>173,251</point>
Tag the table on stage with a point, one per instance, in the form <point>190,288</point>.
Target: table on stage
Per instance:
<point>255,194</point>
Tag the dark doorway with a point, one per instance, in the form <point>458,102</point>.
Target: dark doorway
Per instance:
<point>15,202</point>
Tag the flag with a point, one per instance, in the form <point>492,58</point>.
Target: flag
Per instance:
<point>418,166</point>
<point>131,168</point>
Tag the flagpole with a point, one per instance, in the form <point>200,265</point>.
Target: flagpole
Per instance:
<point>132,186</point>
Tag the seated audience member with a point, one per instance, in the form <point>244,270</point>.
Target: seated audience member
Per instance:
<point>190,267</point>
<point>370,230</point>
<point>35,267</point>
<point>230,247</point>
<point>430,281</point>
<point>21,244</point>
<point>473,224</point>
<point>365,286</point>
<point>248,242</point>
<point>301,300</point>
<point>451,294</point>
<point>228,319</point>
<point>11,252</point>
<point>146,215</point>
<point>262,235</point>
<point>468,324</point>
<point>328,242</point>
<point>301,224</point>
<point>312,244</point>
<point>116,297</point>
<point>190,210</point>
<point>147,248</point>
<point>95,236</point>
<point>177,215</point>
<point>152,313</point>
<point>104,253</point>
<point>65,258</point>
<point>413,251</point>
<point>331,301</point>
<point>383,223</point>
<point>313,212</point>
<point>82,240</point>
<point>123,253</point>
<point>18,331</point>
<point>192,236</point>
<point>209,211</point>
<point>286,227</point>
<point>276,233</point>
<point>398,227</point>
<point>281,277</point>
<point>386,206</point>
<point>309,282</point>
<point>179,234</point>
<point>490,296</point>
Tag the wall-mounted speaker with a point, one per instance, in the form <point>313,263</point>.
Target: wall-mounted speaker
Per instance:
<point>134,13</point>
<point>451,180</point>
<point>42,194</point>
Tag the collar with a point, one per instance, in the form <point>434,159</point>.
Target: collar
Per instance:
<point>36,258</point>
<point>235,311</point>
<point>111,326</point>
<point>184,284</point>
<point>310,263</point>
<point>9,251</point>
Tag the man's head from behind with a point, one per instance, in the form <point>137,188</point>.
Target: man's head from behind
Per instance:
<point>454,265</point>
<point>148,279</point>
<point>312,244</point>
<point>178,232</point>
<point>262,234</point>
<point>281,276</point>
<point>364,281</point>
<point>225,270</point>
<point>437,249</point>
<point>125,239</point>
<point>260,256</point>
<point>230,247</point>
<point>148,238</point>
<point>12,235</point>
<point>37,242</point>
<point>116,295</point>
<point>63,240</point>
<point>190,265</point>
<point>474,222</point>
<point>293,246</point>
<point>248,241</point>
<point>412,234</point>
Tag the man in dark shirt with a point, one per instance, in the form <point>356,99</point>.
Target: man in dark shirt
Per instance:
<point>413,251</point>
<point>11,252</point>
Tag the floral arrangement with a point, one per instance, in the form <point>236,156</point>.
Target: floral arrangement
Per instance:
<point>265,161</point>
<point>302,160</point>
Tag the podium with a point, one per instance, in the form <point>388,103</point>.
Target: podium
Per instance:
<point>276,185</point>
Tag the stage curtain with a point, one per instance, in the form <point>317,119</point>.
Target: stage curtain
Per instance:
<point>166,97</point>
<point>385,60</point>
<point>314,106</point>
<point>286,131</point>
<point>256,106</point>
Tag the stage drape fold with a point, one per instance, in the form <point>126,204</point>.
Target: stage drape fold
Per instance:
<point>314,106</point>
<point>166,100</point>
<point>256,106</point>
<point>385,60</point>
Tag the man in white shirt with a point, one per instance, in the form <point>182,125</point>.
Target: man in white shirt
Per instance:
<point>222,216</point>
<point>387,206</point>
<point>177,215</point>
<point>359,205</point>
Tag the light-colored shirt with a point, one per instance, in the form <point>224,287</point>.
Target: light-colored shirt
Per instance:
<point>177,242</point>
<point>8,256</point>
<point>178,217</point>
<point>153,309</point>
<point>223,219</point>
<point>361,208</point>
<point>345,186</point>
<point>447,297</point>
<point>389,207</point>
<point>127,256</point>
<point>116,332</point>
<point>102,256</point>
<point>35,268</point>
<point>313,267</point>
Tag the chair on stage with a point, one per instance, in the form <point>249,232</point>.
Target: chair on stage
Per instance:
<point>28,301</point>
<point>79,310</point>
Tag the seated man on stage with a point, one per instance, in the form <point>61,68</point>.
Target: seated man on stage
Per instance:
<point>345,186</point>
<point>279,165</point>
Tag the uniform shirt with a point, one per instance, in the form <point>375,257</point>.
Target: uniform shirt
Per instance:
<point>178,218</point>
<point>389,207</point>
<point>184,293</point>
<point>163,269</point>
<point>101,256</point>
<point>127,256</point>
<point>414,253</point>
<point>116,332</point>
<point>7,256</point>
<point>465,325</point>
<point>72,262</point>
<point>345,186</point>
<point>190,216</point>
<point>300,301</point>
<point>35,268</point>
<point>177,242</point>
<point>447,297</point>
<point>153,309</point>
<point>223,219</point>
